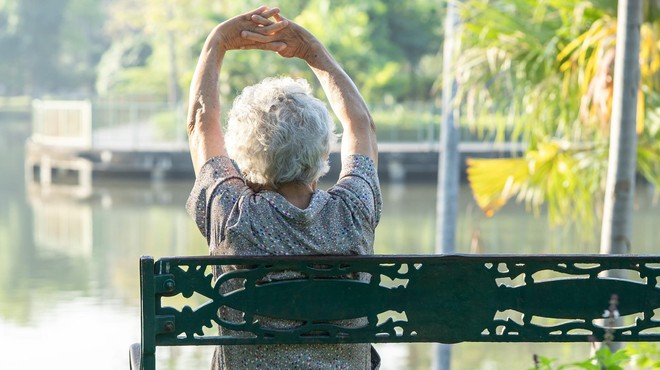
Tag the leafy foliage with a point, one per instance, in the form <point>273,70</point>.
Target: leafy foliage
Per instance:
<point>49,47</point>
<point>149,47</point>
<point>639,356</point>
<point>554,172</point>
<point>364,37</point>
<point>648,149</point>
<point>547,67</point>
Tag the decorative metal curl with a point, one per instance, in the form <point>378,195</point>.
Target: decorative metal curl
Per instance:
<point>363,299</point>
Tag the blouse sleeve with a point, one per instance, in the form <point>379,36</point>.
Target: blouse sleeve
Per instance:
<point>359,186</point>
<point>218,183</point>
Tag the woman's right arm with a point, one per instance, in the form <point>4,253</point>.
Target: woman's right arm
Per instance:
<point>359,136</point>
<point>359,130</point>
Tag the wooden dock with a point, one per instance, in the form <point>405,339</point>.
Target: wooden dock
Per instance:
<point>65,151</point>
<point>45,163</point>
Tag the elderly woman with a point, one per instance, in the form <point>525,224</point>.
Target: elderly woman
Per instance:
<point>256,186</point>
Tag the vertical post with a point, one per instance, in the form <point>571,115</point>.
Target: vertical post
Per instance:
<point>620,187</point>
<point>148,312</point>
<point>45,171</point>
<point>85,170</point>
<point>173,93</point>
<point>448,173</point>
<point>86,125</point>
<point>133,118</point>
<point>616,232</point>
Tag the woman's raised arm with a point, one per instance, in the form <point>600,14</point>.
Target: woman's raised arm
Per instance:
<point>359,131</point>
<point>205,136</point>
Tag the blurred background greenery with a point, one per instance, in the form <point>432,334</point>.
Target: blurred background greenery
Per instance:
<point>100,48</point>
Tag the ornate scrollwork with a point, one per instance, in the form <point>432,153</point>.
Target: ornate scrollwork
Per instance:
<point>410,299</point>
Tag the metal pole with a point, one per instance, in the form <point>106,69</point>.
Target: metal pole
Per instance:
<point>620,187</point>
<point>448,171</point>
<point>616,232</point>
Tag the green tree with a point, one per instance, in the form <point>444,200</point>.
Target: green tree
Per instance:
<point>30,38</point>
<point>412,31</point>
<point>360,34</point>
<point>9,44</point>
<point>49,46</point>
<point>82,42</point>
<point>152,43</point>
<point>547,69</point>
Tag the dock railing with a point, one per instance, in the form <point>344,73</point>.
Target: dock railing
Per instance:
<point>62,123</point>
<point>138,125</point>
<point>141,124</point>
<point>147,136</point>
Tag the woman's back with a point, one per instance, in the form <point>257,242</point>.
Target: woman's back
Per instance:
<point>239,221</point>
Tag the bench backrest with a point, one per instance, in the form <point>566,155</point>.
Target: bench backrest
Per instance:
<point>448,299</point>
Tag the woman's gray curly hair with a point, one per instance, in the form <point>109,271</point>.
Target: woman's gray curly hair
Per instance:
<point>277,132</point>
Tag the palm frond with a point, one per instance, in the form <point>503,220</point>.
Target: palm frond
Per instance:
<point>495,181</point>
<point>545,71</point>
<point>552,174</point>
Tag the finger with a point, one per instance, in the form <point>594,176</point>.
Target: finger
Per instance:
<point>278,17</point>
<point>272,46</point>
<point>270,12</point>
<point>257,37</point>
<point>259,10</point>
<point>273,28</point>
<point>258,19</point>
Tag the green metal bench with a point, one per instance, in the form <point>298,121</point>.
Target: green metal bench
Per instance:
<point>445,299</point>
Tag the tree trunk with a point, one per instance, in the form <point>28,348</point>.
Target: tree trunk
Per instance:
<point>173,93</point>
<point>616,232</point>
<point>617,215</point>
<point>448,173</point>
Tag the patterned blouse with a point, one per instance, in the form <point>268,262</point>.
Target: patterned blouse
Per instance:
<point>235,220</point>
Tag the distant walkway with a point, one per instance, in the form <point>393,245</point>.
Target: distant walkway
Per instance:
<point>138,137</point>
<point>132,141</point>
<point>463,147</point>
<point>143,137</point>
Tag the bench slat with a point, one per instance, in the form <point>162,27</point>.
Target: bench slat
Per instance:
<point>448,299</point>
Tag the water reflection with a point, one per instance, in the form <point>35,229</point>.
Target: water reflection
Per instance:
<point>62,227</point>
<point>69,283</point>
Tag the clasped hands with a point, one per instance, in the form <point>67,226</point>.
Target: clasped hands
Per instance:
<point>266,29</point>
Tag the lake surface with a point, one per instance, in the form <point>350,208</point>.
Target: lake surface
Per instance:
<point>69,267</point>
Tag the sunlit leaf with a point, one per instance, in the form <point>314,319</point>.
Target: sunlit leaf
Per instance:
<point>495,181</point>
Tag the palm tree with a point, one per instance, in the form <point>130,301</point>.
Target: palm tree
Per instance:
<point>616,233</point>
<point>617,216</point>
<point>541,73</point>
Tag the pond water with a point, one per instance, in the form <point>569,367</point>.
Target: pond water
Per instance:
<point>69,266</point>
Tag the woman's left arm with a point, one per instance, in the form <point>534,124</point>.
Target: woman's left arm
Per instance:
<point>205,136</point>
